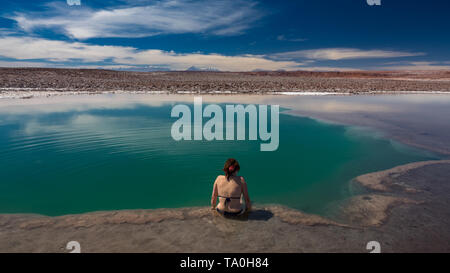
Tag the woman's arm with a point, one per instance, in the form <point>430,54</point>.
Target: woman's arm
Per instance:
<point>248,204</point>
<point>215,193</point>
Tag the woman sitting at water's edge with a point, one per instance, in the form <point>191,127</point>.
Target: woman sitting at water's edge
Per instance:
<point>229,188</point>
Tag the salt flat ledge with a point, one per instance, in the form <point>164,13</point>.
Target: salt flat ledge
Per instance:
<point>408,214</point>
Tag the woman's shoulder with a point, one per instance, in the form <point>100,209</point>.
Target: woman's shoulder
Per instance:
<point>220,178</point>
<point>241,178</point>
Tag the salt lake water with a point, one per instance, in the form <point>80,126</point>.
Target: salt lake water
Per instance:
<point>104,153</point>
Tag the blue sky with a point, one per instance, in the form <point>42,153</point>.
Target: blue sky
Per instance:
<point>235,35</point>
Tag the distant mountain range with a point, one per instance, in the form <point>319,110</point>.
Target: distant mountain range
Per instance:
<point>143,69</point>
<point>153,69</point>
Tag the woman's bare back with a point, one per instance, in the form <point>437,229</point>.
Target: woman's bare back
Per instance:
<point>231,189</point>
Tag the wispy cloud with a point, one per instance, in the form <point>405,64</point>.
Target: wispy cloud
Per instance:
<point>218,17</point>
<point>341,54</point>
<point>289,39</point>
<point>54,52</point>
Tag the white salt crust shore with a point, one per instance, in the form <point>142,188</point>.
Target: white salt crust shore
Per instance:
<point>27,93</point>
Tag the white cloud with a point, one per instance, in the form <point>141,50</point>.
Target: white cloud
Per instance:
<point>342,53</point>
<point>38,52</point>
<point>22,64</point>
<point>158,17</point>
<point>27,48</point>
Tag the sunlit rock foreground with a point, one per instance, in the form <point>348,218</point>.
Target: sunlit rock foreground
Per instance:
<point>410,213</point>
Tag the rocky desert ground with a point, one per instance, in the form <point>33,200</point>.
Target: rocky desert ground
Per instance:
<point>90,80</point>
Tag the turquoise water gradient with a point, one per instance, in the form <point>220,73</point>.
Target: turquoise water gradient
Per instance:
<point>105,159</point>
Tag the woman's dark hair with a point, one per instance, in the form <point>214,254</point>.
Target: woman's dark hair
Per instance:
<point>231,166</point>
